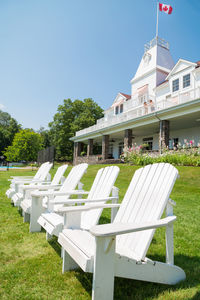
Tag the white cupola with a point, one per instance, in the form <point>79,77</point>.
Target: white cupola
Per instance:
<point>154,67</point>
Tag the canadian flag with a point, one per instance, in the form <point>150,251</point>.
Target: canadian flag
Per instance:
<point>166,8</point>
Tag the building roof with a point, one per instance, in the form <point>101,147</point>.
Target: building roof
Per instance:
<point>162,82</point>
<point>198,64</point>
<point>126,95</point>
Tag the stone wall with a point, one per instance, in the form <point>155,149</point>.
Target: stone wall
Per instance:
<point>94,159</point>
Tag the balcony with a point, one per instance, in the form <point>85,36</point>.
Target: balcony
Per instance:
<point>133,109</point>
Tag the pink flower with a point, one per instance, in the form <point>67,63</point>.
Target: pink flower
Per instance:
<point>191,142</point>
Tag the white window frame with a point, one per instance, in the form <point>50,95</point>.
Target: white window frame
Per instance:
<point>184,87</point>
<point>142,98</point>
<point>177,79</point>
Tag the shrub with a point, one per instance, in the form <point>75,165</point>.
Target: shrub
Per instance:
<point>182,156</point>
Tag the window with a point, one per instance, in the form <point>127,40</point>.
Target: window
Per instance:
<point>121,148</point>
<point>149,142</point>
<point>175,85</point>
<point>119,109</point>
<point>142,99</point>
<point>186,80</point>
<point>173,143</point>
<point>110,151</point>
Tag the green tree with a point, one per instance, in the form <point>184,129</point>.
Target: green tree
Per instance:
<point>8,128</point>
<point>25,146</point>
<point>45,137</point>
<point>71,117</point>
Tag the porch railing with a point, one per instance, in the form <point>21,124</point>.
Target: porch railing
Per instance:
<point>134,110</point>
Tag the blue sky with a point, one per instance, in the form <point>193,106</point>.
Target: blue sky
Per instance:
<point>51,50</point>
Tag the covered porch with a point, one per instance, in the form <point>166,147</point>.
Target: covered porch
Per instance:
<point>108,148</point>
<point>158,130</point>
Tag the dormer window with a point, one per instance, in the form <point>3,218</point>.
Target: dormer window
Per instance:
<point>175,85</point>
<point>186,80</point>
<point>119,109</point>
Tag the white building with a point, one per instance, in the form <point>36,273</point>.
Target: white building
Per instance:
<point>163,108</point>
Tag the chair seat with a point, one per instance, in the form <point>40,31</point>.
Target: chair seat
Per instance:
<point>10,192</point>
<point>82,239</point>
<point>17,198</point>
<point>85,241</point>
<point>51,222</point>
<point>26,205</point>
<point>80,245</point>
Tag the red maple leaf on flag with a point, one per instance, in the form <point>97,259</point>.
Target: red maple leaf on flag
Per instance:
<point>165,8</point>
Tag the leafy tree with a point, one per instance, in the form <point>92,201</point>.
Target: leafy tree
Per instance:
<point>71,117</point>
<point>25,146</point>
<point>45,137</point>
<point>8,128</point>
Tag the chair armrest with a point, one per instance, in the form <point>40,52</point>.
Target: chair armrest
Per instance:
<point>40,187</point>
<point>172,202</point>
<point>79,201</point>
<point>30,181</point>
<point>121,228</point>
<point>58,193</point>
<point>21,177</point>
<point>84,208</point>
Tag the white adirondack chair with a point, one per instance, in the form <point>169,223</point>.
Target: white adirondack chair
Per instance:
<point>24,179</point>
<point>26,190</point>
<point>37,207</point>
<point>44,177</point>
<point>119,249</point>
<point>101,188</point>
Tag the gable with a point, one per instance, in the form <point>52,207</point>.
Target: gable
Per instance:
<point>119,99</point>
<point>180,66</point>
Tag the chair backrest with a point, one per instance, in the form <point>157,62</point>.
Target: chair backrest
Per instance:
<point>45,171</point>
<point>72,180</point>
<point>40,170</point>
<point>144,201</point>
<point>101,188</point>
<point>59,173</point>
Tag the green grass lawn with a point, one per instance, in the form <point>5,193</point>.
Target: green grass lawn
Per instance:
<point>30,267</point>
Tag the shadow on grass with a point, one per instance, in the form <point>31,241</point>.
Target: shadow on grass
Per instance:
<point>135,289</point>
<point>53,242</point>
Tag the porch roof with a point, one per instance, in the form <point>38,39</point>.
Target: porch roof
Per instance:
<point>191,107</point>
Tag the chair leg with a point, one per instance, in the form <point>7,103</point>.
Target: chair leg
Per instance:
<point>26,217</point>
<point>48,236</point>
<point>103,277</point>
<point>36,211</point>
<point>68,262</point>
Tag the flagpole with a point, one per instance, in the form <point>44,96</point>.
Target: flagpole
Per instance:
<point>157,23</point>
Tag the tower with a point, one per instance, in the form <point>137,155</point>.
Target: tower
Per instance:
<point>154,67</point>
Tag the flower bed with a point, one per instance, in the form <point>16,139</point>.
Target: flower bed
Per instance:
<point>182,155</point>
